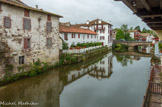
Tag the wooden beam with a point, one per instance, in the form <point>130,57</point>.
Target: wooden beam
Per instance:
<point>154,22</point>
<point>155,26</point>
<point>146,5</point>
<point>160,4</point>
<point>147,16</point>
<point>130,5</point>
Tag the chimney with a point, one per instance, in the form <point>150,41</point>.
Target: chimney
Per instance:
<point>87,22</point>
<point>36,6</point>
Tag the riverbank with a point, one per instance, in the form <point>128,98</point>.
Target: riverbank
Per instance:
<point>41,67</point>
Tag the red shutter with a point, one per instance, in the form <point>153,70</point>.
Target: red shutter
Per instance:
<point>25,43</point>
<point>78,35</point>
<point>72,35</point>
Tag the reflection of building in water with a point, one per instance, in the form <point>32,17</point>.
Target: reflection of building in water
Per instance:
<point>145,49</point>
<point>101,69</point>
<point>104,68</point>
<point>135,58</point>
<point>74,75</point>
<point>43,89</point>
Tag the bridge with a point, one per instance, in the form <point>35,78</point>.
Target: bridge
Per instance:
<point>132,44</point>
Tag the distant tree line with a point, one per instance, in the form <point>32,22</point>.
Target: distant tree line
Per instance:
<point>123,33</point>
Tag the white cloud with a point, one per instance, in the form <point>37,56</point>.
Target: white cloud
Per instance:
<point>79,11</point>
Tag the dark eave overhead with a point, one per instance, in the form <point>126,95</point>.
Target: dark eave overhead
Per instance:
<point>150,11</point>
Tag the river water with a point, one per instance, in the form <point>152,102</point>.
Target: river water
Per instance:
<point>105,81</point>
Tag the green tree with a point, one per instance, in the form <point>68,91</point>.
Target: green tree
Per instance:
<point>144,30</point>
<point>120,34</point>
<point>131,28</point>
<point>124,28</point>
<point>137,28</point>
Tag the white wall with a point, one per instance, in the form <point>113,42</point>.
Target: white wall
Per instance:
<point>83,38</point>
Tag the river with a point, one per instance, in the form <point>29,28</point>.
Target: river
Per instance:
<point>106,81</point>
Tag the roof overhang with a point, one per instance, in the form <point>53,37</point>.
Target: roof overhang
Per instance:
<point>150,11</point>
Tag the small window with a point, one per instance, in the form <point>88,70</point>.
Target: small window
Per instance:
<point>65,36</point>
<point>49,17</point>
<point>26,13</point>
<point>0,7</point>
<point>27,24</point>
<point>49,26</point>
<point>21,60</point>
<point>78,35</point>
<point>26,43</point>
<point>7,22</point>
<point>49,42</point>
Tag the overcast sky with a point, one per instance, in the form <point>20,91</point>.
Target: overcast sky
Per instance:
<point>79,11</point>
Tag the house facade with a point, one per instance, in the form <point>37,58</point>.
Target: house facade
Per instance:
<point>28,33</point>
<point>146,37</point>
<point>135,34</point>
<point>74,35</point>
<point>102,28</point>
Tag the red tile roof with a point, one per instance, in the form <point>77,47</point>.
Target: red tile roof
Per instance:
<point>94,22</point>
<point>20,4</point>
<point>73,29</point>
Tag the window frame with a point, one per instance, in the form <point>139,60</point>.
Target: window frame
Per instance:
<point>4,22</point>
<point>27,45</point>
<point>21,60</point>
<point>26,13</point>
<point>47,42</point>
<point>24,24</point>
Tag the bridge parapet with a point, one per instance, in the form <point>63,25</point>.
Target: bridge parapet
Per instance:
<point>133,43</point>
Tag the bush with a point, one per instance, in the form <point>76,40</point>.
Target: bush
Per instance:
<point>160,46</point>
<point>64,45</point>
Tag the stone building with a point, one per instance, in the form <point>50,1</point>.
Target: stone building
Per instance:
<point>28,33</point>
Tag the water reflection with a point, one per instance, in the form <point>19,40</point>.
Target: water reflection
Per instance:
<point>95,83</point>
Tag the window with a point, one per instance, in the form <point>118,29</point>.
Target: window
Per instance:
<point>27,24</point>
<point>65,36</point>
<point>91,36</point>
<point>49,17</point>
<point>78,35</point>
<point>49,42</point>
<point>73,35</point>
<point>49,26</point>
<point>0,7</point>
<point>26,43</point>
<point>7,22</point>
<point>102,38</point>
<point>88,36</point>
<point>26,13</point>
<point>21,60</point>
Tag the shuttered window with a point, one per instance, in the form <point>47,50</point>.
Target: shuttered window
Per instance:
<point>7,22</point>
<point>26,43</point>
<point>49,17</point>
<point>49,42</point>
<point>26,13</point>
<point>49,26</point>
<point>27,24</point>
<point>78,35</point>
<point>65,36</point>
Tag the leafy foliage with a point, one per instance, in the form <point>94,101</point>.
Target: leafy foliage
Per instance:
<point>64,45</point>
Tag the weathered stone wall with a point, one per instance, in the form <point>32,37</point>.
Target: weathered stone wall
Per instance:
<point>14,36</point>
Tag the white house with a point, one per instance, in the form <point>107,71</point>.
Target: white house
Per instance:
<point>102,28</point>
<point>74,35</point>
<point>103,68</point>
<point>28,33</point>
<point>146,37</point>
